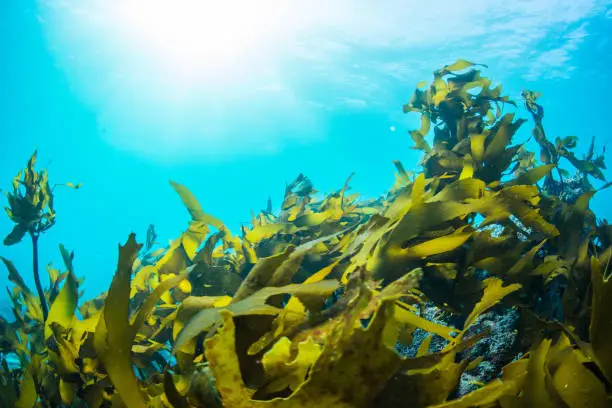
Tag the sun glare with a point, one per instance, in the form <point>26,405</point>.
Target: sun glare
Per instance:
<point>174,78</point>
<point>201,38</point>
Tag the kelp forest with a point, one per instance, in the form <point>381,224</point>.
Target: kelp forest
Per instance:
<point>479,280</point>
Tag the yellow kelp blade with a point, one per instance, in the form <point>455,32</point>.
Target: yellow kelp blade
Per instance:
<point>426,386</point>
<point>220,351</point>
<point>193,206</point>
<point>534,389</point>
<point>284,368</point>
<point>487,396</point>
<point>575,384</point>
<point>494,292</point>
<point>147,307</point>
<point>468,168</point>
<point>266,231</point>
<point>261,273</point>
<point>459,65</point>
<point>355,364</point>
<point>601,318</point>
<point>27,392</point>
<point>294,305</point>
<point>352,369</point>
<point>252,305</point>
<point>531,176</point>
<point>63,307</point>
<point>114,335</point>
<point>477,146</point>
<point>434,246</point>
<point>410,318</point>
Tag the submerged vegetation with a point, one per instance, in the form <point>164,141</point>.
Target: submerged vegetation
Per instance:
<point>325,302</point>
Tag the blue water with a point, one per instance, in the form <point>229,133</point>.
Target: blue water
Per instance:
<point>236,110</point>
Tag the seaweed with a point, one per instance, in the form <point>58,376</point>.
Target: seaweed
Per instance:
<point>31,209</point>
<point>314,304</point>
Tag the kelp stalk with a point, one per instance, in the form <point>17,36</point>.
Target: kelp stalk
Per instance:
<point>41,294</point>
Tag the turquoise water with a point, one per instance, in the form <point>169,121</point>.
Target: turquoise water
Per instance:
<point>235,101</point>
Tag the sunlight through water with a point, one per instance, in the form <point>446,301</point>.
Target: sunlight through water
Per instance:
<point>208,41</point>
<point>172,76</point>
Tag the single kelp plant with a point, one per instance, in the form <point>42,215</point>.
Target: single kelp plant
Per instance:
<point>31,209</point>
<point>339,302</point>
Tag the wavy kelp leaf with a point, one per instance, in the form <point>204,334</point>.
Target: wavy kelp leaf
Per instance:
<point>289,267</point>
<point>534,389</point>
<point>408,317</point>
<point>295,314</point>
<point>398,288</point>
<point>487,396</point>
<point>401,175</point>
<point>531,176</point>
<point>435,246</point>
<point>360,248</point>
<point>459,65</point>
<point>294,305</point>
<point>220,351</point>
<point>172,394</point>
<point>67,391</point>
<point>468,168</point>
<point>574,224</point>
<point>67,257</point>
<point>494,292</point>
<point>174,259</point>
<point>477,146</point>
<point>576,385</point>
<point>194,207</point>
<point>461,190</point>
<point>30,301</point>
<point>145,310</point>
<point>266,231</point>
<point>600,330</point>
<point>114,335</point>
<point>67,356</point>
<point>506,129</point>
<point>522,201</point>
<point>423,217</point>
<point>427,386</point>
<point>261,274</point>
<point>194,304</point>
<point>73,185</point>
<point>552,267</point>
<point>16,235</point>
<point>252,305</point>
<point>419,218</point>
<point>63,307</point>
<point>143,279</point>
<point>525,262</point>
<point>27,393</point>
<point>286,369</point>
<point>418,136</point>
<point>80,327</point>
<point>14,276</point>
<point>193,237</point>
<point>354,365</point>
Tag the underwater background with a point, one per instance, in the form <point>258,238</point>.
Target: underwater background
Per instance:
<point>235,100</point>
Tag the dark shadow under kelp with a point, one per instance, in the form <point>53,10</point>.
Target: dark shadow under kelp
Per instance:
<point>307,307</point>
